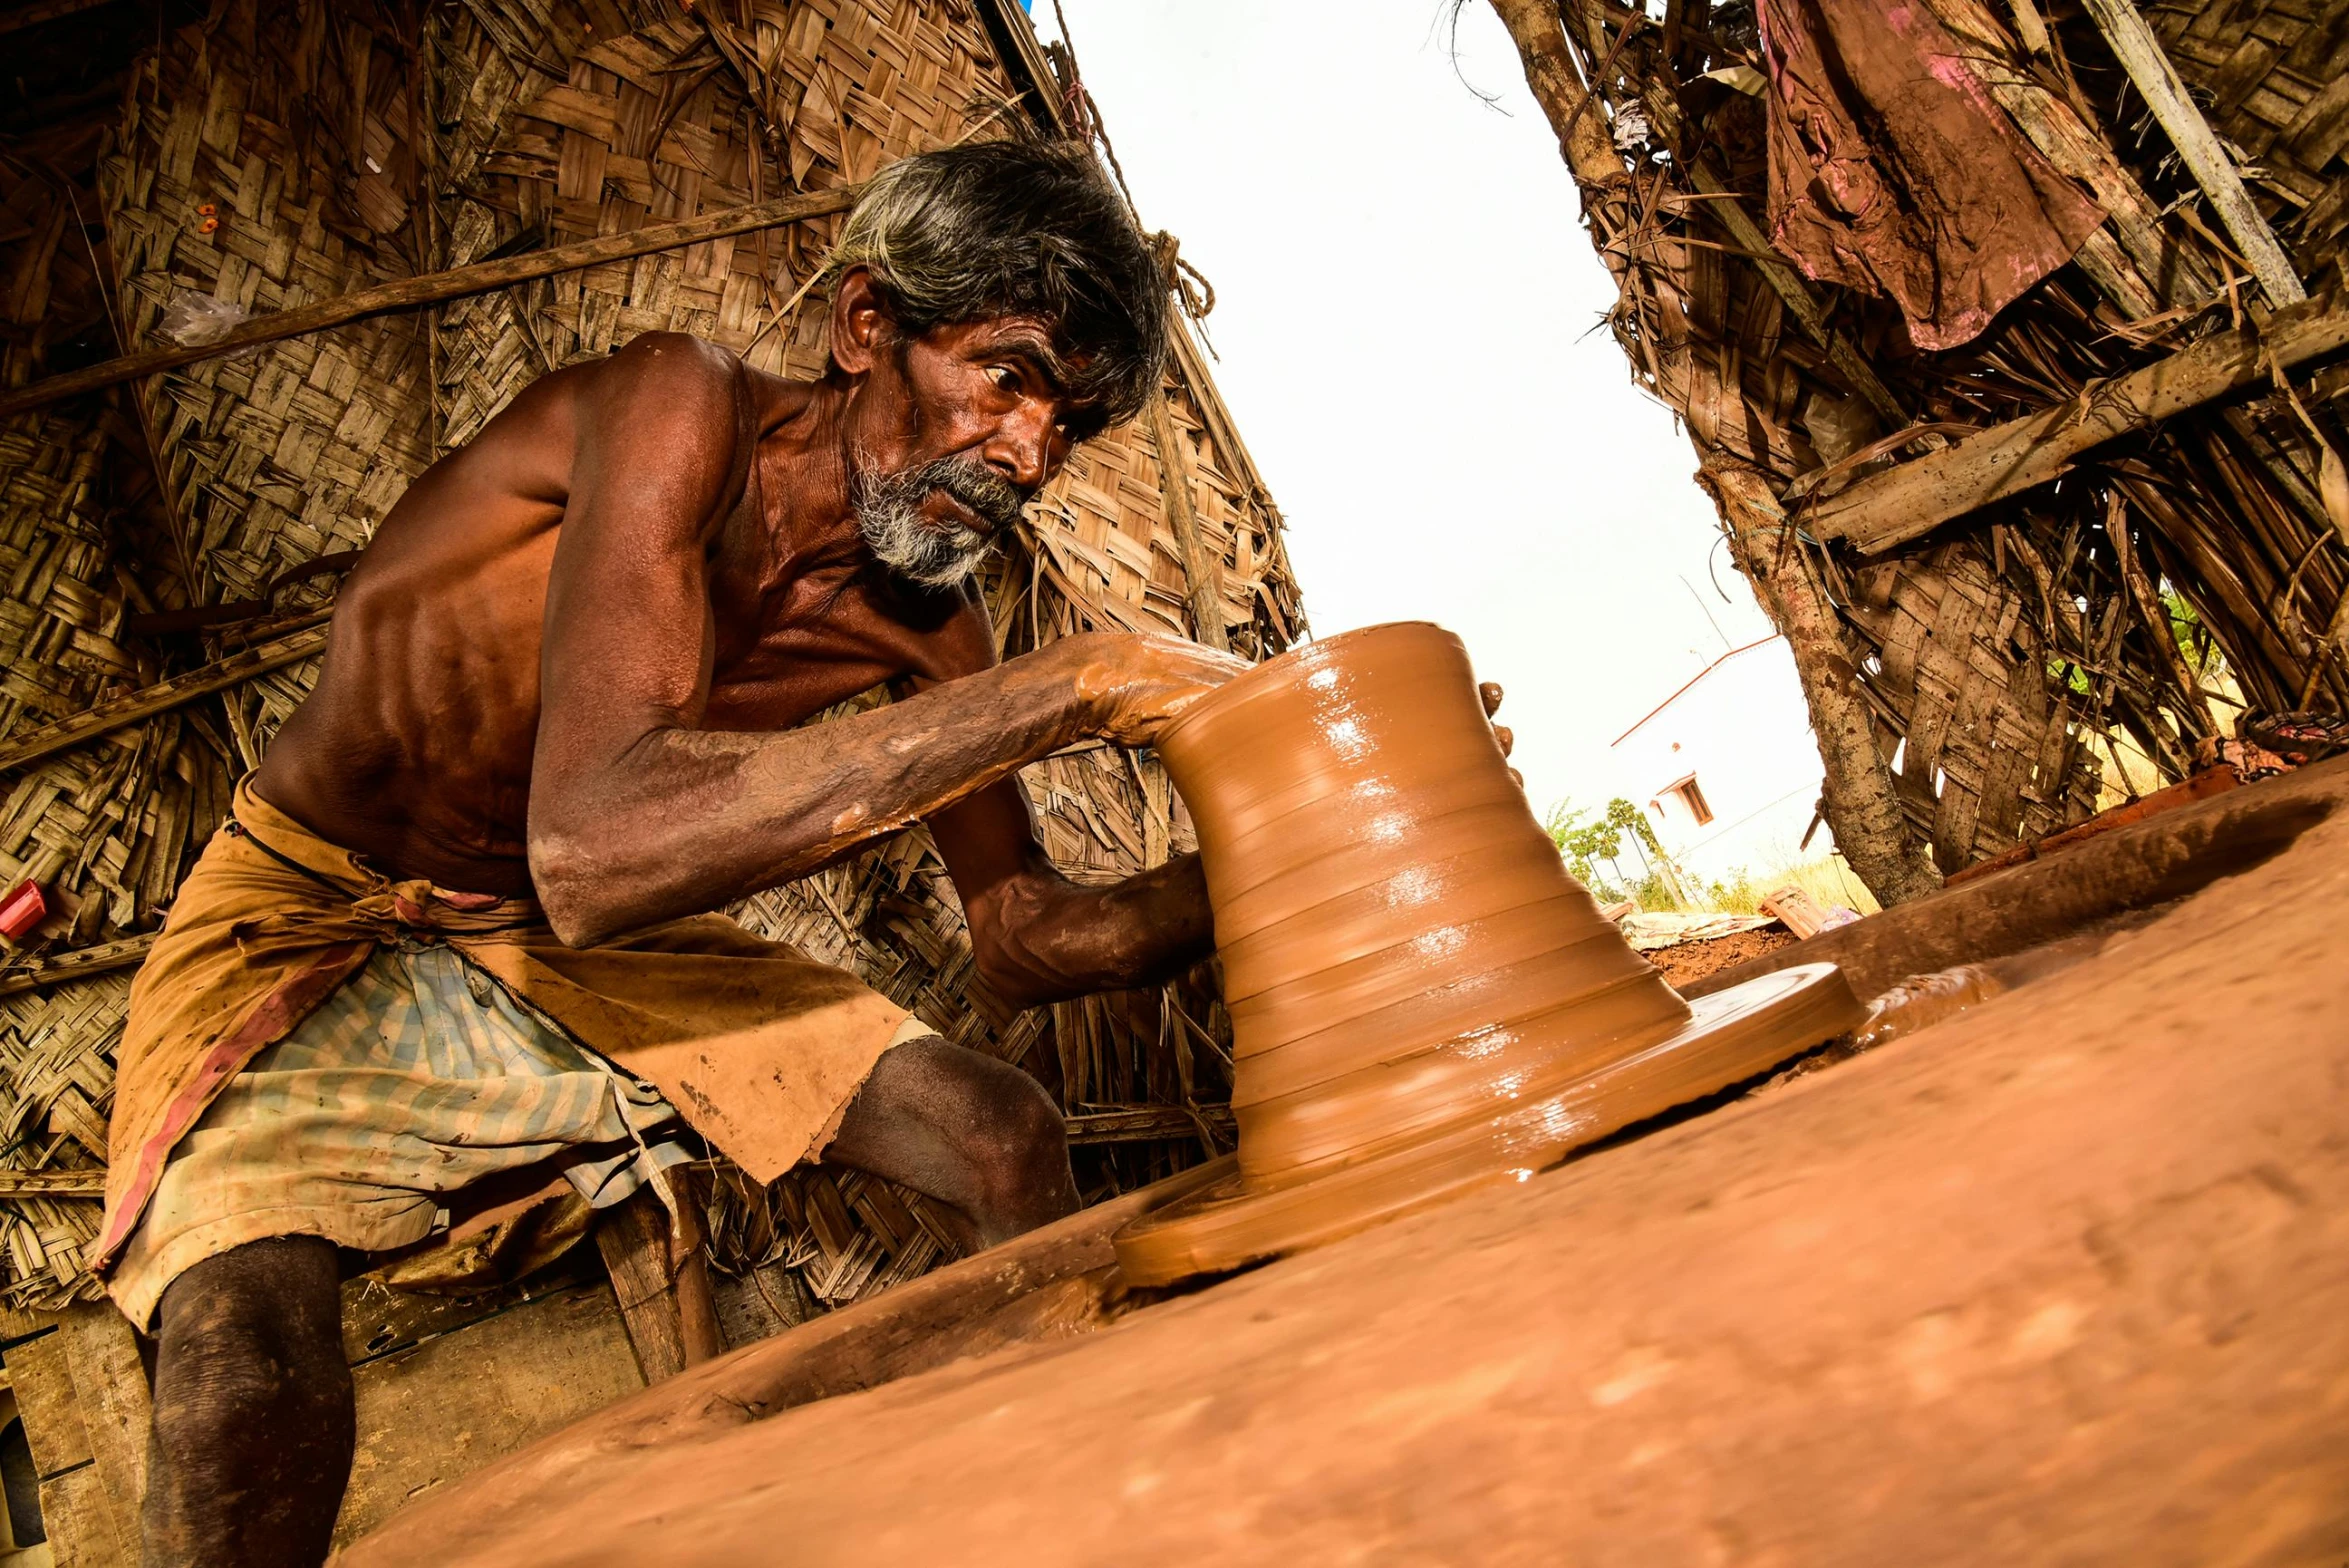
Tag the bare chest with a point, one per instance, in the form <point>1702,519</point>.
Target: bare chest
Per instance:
<point>817,644</point>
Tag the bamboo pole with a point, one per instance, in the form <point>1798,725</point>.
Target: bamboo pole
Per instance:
<point>1202,581</point>
<point>434,288</point>
<point>148,701</point>
<point>50,969</point>
<point>1899,504</point>
<point>2141,55</point>
<point>53,1184</point>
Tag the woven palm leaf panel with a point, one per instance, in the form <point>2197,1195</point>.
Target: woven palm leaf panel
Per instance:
<point>2003,655</point>
<point>297,151</point>
<point>106,829</point>
<point>2274,79</point>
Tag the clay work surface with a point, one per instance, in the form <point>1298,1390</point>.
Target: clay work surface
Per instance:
<point>2064,1280</point>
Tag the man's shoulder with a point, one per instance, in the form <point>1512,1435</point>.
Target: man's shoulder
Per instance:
<point>672,365</point>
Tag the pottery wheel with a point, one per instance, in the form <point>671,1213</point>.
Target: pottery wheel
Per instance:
<point>1731,1036</point>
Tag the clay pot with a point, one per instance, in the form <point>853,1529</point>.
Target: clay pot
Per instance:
<point>1421,994</point>
<point>1402,944</point>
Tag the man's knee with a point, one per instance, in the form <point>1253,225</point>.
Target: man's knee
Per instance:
<point>1018,1133</point>
<point>253,1332</point>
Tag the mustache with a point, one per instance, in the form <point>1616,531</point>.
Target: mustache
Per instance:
<point>991,497</point>
<point>934,554</point>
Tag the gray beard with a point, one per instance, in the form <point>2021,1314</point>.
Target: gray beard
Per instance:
<point>910,546</point>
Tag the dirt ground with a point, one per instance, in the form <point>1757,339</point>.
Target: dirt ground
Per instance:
<point>1695,960</point>
<point>2064,1280</point>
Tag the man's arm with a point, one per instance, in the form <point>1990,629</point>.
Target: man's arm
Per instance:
<point>1041,938</point>
<point>638,816</point>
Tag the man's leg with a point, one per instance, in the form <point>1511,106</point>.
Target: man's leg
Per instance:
<point>977,1134</point>
<point>253,1426</point>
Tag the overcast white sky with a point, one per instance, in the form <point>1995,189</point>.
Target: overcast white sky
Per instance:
<point>1408,323</point>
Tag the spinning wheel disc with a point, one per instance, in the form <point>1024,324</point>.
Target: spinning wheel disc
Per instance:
<point>1733,1035</point>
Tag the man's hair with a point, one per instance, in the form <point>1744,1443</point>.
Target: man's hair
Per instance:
<point>1018,229</point>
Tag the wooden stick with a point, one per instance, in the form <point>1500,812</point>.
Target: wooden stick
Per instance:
<point>57,968</point>
<point>2141,55</point>
<point>1147,1124</point>
<point>1862,807</point>
<point>1202,580</point>
<point>148,701</point>
<point>53,1184</point>
<point>1892,507</point>
<point>433,288</point>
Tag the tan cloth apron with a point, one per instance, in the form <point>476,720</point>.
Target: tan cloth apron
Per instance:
<point>759,1047</point>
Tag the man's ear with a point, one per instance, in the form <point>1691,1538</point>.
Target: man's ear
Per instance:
<point>858,321</point>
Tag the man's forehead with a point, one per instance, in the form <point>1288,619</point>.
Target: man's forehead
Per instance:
<point>1018,334</point>
<point>1034,340</point>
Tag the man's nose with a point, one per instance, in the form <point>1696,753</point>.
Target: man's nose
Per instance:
<point>1027,447</point>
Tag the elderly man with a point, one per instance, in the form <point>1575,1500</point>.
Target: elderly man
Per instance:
<point>454,942</point>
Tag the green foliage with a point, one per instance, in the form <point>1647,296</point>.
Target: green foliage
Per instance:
<point>2070,674</point>
<point>1593,844</point>
<point>2194,639</point>
<point>1585,841</point>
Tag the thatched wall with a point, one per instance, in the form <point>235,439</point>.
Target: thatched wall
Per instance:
<point>284,151</point>
<point>1966,682</point>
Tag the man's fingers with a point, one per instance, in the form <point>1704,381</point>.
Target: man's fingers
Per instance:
<point>1490,691</point>
<point>1507,737</point>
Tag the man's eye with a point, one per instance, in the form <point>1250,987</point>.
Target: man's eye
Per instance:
<point>1005,378</point>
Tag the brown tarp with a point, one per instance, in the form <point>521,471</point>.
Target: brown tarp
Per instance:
<point>1893,171</point>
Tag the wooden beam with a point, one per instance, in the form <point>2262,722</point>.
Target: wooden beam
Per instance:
<point>434,288</point>
<point>39,974</point>
<point>1861,805</point>
<point>1898,505</point>
<point>2141,55</point>
<point>662,1279</point>
<point>148,701</point>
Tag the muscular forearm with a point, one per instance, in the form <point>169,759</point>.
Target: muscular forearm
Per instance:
<point>686,820</point>
<point>1046,939</point>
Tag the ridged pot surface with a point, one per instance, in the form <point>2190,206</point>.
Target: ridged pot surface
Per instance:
<point>1402,945</point>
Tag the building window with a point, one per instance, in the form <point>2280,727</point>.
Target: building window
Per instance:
<point>1692,797</point>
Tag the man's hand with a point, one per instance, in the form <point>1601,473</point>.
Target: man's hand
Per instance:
<point>1490,693</point>
<point>1130,686</point>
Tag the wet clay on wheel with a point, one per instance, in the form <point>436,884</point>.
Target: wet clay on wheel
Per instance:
<point>1422,998</point>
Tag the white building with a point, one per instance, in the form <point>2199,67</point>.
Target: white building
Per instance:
<point>1712,765</point>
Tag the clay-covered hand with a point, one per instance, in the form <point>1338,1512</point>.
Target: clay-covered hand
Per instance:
<point>1490,692</point>
<point>1130,685</point>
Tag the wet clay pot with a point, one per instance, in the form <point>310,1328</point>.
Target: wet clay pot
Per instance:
<point>1422,998</point>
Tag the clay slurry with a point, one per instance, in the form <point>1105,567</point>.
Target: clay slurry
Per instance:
<point>1421,995</point>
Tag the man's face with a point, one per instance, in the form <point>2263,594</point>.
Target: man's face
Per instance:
<point>956,429</point>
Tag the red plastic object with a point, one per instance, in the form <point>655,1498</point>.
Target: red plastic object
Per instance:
<point>23,909</point>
